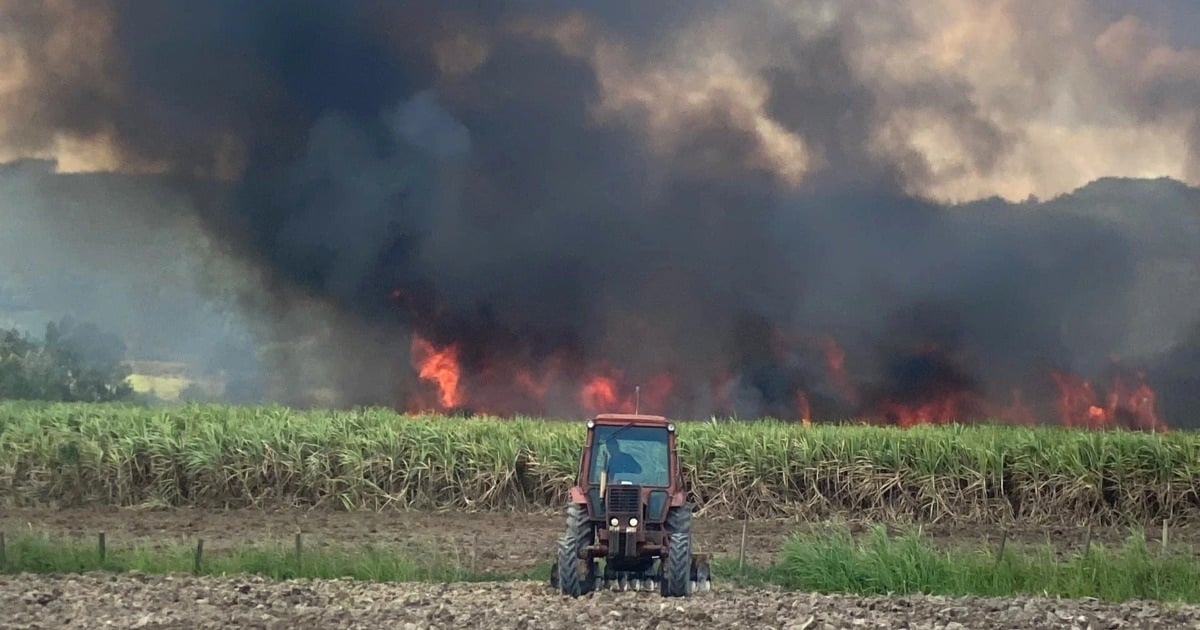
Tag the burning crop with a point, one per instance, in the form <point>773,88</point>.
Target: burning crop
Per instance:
<point>924,387</point>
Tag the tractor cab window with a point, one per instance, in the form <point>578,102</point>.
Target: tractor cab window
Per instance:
<point>636,455</point>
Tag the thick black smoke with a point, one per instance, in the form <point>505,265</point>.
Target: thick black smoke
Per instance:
<point>447,168</point>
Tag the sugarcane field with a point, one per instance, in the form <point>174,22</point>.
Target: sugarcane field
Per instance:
<point>781,314</point>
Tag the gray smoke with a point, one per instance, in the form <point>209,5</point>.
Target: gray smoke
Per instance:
<point>124,252</point>
<point>688,188</point>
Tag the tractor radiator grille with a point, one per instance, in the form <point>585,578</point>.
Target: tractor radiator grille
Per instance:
<point>623,500</point>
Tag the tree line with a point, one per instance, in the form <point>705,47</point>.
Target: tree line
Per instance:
<point>73,362</point>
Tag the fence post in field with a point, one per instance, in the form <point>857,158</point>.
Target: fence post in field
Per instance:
<point>1003,542</point>
<point>101,546</point>
<point>742,547</point>
<point>299,547</point>
<point>3,554</point>
<point>199,555</point>
<point>1087,544</point>
<point>1164,537</point>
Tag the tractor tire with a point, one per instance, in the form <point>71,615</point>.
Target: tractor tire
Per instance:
<point>577,536</point>
<point>680,519</point>
<point>677,569</point>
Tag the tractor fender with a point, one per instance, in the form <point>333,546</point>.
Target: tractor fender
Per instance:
<point>678,499</point>
<point>577,496</point>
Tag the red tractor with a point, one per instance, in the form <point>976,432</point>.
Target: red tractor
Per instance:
<point>628,508</point>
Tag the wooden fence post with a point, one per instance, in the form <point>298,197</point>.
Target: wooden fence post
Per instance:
<point>199,556</point>
<point>742,547</point>
<point>101,547</point>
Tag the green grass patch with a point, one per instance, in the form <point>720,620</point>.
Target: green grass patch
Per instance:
<point>34,553</point>
<point>825,562</point>
<point>833,562</point>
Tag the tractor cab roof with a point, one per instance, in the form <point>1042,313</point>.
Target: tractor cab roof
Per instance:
<point>653,421</point>
<point>625,418</point>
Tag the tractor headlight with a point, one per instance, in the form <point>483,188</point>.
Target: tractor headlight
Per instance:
<point>633,522</point>
<point>671,427</point>
<point>614,522</point>
<point>591,424</point>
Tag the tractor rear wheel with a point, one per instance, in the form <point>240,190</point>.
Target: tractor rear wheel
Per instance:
<point>578,536</point>
<point>677,569</point>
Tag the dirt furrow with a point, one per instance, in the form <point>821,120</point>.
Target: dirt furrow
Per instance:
<point>141,601</point>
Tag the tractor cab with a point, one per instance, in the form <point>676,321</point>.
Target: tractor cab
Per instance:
<point>630,454</point>
<point>629,468</point>
<point>628,507</point>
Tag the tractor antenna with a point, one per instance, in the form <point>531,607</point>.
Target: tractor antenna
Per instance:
<point>637,398</point>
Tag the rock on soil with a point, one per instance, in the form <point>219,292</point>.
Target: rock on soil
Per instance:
<point>143,601</point>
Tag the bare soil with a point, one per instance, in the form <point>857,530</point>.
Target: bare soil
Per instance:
<point>141,601</point>
<point>502,542</point>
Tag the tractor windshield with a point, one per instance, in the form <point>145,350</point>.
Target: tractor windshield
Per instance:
<point>633,454</point>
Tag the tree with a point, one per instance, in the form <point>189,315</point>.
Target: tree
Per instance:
<point>15,350</point>
<point>75,362</point>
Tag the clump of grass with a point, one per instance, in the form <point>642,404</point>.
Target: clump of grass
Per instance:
<point>831,562</point>
<point>826,562</point>
<point>230,456</point>
<point>35,553</point>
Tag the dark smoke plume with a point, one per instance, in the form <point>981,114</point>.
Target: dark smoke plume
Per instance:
<point>674,186</point>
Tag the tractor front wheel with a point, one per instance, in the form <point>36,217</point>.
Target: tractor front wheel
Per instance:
<point>567,569</point>
<point>677,568</point>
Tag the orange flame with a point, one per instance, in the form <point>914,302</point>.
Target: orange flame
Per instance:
<point>506,385</point>
<point>803,409</point>
<point>942,409</point>
<point>1077,403</point>
<point>835,363</point>
<point>440,366</point>
<point>1132,407</point>
<point>1137,404</point>
<point>604,394</point>
<point>599,394</point>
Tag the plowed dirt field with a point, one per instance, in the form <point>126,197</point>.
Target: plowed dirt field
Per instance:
<point>139,601</point>
<point>502,542</point>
